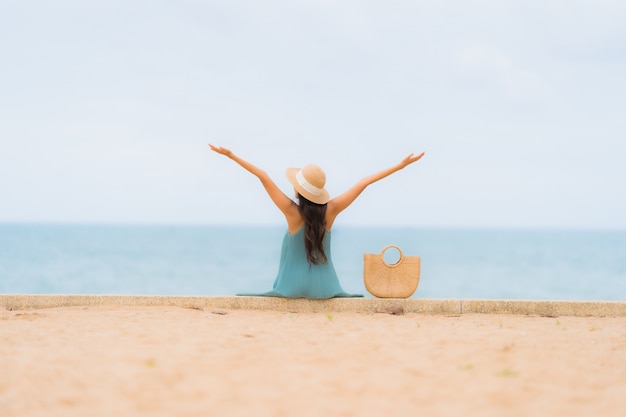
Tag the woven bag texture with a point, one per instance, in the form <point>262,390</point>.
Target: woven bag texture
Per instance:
<point>385,280</point>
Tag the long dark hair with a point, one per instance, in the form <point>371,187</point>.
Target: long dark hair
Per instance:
<point>314,216</point>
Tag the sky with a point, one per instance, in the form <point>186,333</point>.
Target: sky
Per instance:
<point>107,107</point>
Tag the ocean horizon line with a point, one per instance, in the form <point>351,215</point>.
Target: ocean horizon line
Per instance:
<point>376,226</point>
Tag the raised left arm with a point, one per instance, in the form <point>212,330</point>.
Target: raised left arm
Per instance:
<point>280,199</point>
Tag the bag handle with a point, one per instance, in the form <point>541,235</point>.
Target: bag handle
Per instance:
<point>382,255</point>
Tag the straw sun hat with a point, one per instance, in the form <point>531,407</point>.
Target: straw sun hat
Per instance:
<point>309,182</point>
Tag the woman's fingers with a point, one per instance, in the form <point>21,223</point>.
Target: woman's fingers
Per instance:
<point>220,149</point>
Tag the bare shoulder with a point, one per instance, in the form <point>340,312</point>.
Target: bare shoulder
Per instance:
<point>331,214</point>
<point>294,219</point>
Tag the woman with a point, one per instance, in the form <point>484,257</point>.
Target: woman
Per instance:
<point>306,268</point>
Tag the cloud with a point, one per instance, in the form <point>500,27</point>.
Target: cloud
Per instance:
<point>107,102</point>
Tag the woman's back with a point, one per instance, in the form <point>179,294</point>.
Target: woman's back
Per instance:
<point>297,278</point>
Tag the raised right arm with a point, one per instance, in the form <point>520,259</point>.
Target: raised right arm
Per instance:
<point>343,201</point>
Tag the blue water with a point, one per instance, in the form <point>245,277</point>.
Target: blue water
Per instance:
<point>221,260</point>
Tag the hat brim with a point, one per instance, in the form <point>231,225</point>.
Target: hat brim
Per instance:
<point>317,199</point>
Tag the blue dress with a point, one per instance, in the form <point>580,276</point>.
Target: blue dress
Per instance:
<point>298,279</point>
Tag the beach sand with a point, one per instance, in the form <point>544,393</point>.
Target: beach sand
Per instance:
<point>171,361</point>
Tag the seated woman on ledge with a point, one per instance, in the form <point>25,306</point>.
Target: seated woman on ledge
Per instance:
<point>306,269</point>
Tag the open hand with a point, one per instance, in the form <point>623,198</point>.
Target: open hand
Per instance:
<point>221,150</point>
<point>410,159</point>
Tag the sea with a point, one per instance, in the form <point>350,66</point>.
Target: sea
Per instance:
<point>516,264</point>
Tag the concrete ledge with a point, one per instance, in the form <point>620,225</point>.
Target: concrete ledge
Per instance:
<point>546,308</point>
<point>355,305</point>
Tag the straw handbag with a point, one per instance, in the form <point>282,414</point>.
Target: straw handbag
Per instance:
<point>385,280</point>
